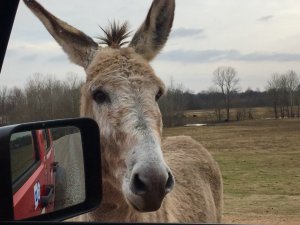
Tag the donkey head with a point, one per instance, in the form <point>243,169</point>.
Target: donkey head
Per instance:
<point>121,93</point>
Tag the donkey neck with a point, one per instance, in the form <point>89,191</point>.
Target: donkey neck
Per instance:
<point>113,207</point>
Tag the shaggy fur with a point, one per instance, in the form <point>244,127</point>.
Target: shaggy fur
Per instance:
<point>131,128</point>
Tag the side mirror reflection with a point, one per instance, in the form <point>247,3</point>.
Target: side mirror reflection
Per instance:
<point>47,170</point>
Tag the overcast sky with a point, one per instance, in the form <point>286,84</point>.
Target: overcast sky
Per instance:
<point>255,37</point>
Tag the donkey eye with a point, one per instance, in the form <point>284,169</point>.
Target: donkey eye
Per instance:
<point>158,95</point>
<point>101,97</point>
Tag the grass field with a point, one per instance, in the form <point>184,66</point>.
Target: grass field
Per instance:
<point>260,164</point>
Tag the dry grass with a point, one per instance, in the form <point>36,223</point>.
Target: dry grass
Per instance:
<point>260,164</point>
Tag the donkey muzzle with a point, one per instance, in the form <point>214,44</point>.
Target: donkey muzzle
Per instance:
<point>149,185</point>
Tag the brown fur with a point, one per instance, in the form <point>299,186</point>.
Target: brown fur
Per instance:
<point>131,127</point>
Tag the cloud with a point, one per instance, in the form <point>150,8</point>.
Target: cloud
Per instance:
<point>29,57</point>
<point>47,51</point>
<point>187,32</point>
<point>206,56</point>
<point>265,18</point>
<point>59,58</point>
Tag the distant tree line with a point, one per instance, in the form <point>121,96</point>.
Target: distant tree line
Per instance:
<point>282,93</point>
<point>178,100</point>
<point>42,98</point>
<point>46,97</point>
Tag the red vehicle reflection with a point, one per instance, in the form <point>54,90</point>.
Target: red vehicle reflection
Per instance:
<point>33,173</point>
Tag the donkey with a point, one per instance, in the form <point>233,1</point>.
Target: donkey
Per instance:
<point>121,93</point>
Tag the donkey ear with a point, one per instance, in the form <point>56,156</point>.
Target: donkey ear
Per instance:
<point>154,32</point>
<point>79,47</point>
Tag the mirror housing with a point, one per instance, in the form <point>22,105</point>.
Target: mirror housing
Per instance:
<point>92,168</point>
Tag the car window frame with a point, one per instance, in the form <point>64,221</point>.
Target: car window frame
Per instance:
<point>8,9</point>
<point>46,138</point>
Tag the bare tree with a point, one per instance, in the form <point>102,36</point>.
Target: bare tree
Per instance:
<point>173,104</point>
<point>3,113</point>
<point>283,96</point>
<point>16,105</point>
<point>225,78</point>
<point>292,83</point>
<point>215,99</point>
<point>283,89</point>
<point>273,89</point>
<point>298,101</point>
<point>72,86</point>
<point>35,96</point>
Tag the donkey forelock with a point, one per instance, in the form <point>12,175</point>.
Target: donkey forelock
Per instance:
<point>115,35</point>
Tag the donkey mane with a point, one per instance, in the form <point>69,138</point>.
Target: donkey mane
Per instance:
<point>115,35</point>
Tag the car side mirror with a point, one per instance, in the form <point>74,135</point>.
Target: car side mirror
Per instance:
<point>49,170</point>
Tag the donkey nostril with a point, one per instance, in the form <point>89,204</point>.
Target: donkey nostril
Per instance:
<point>170,183</point>
<point>138,187</point>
